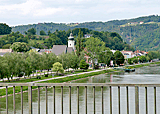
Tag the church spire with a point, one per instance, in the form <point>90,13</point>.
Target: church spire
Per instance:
<point>71,41</point>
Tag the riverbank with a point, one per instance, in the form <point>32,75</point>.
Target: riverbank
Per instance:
<point>60,79</point>
<point>142,65</point>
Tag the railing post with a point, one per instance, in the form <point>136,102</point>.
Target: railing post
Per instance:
<point>127,100</point>
<point>155,108</point>
<point>146,100</point>
<point>30,99</point>
<point>102,99</point>
<point>119,102</point>
<point>69,99</point>
<point>136,100</point>
<point>38,99</point>
<point>21,99</point>
<point>54,103</point>
<point>94,102</point>
<point>6,99</point>
<point>110,99</point>
<point>46,101</point>
<point>77,99</point>
<point>61,99</point>
<point>14,102</point>
<point>86,99</point>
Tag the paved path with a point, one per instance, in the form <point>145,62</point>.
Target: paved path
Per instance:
<point>67,76</point>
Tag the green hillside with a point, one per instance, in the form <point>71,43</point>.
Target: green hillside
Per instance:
<point>142,33</point>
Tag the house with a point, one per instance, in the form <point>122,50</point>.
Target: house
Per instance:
<point>45,50</point>
<point>87,35</point>
<point>4,51</point>
<point>140,53</point>
<point>128,54</point>
<point>141,22</point>
<point>133,23</point>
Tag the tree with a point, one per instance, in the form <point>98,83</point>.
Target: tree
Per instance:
<point>83,65</point>
<point>79,43</point>
<point>130,61</point>
<point>7,46</point>
<point>119,58</point>
<point>74,61</point>
<point>94,47</point>
<point>57,67</point>
<point>20,47</point>
<point>106,57</point>
<point>5,29</point>
<point>49,32</point>
<point>142,59</point>
<point>135,60</point>
<point>42,32</point>
<point>32,31</point>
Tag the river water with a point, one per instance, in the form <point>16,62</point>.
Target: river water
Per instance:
<point>141,75</point>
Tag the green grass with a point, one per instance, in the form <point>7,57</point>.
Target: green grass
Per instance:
<point>66,79</point>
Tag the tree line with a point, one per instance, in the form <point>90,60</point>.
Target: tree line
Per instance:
<point>13,64</point>
<point>112,39</point>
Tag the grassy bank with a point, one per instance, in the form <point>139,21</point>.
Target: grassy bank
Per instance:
<point>34,78</point>
<point>142,65</point>
<point>65,79</point>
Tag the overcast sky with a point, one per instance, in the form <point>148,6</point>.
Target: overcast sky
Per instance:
<point>22,12</point>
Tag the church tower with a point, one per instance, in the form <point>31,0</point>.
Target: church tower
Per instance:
<point>71,41</point>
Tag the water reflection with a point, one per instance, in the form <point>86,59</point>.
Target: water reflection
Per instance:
<point>142,75</point>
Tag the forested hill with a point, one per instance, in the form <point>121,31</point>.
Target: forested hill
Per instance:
<point>142,33</point>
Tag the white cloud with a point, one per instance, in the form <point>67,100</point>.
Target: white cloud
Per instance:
<point>47,11</point>
<point>23,8</point>
<point>34,11</point>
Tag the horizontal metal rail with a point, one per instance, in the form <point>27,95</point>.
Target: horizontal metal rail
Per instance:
<point>85,85</point>
<point>79,84</point>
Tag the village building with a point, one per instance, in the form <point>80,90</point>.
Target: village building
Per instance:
<point>4,51</point>
<point>128,54</point>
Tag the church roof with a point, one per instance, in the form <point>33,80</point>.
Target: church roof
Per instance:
<point>59,49</point>
<point>70,49</point>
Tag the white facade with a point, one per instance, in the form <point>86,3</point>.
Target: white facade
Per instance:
<point>128,54</point>
<point>71,41</point>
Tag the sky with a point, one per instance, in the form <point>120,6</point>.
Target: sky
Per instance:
<point>23,12</point>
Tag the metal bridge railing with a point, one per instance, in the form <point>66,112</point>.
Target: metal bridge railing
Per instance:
<point>94,85</point>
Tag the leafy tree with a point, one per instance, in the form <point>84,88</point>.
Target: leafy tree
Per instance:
<point>135,60</point>
<point>42,32</point>
<point>79,43</point>
<point>106,56</point>
<point>4,29</point>
<point>119,58</point>
<point>74,61</point>
<point>34,61</point>
<point>83,65</point>
<point>32,31</point>
<point>49,32</point>
<point>142,59</point>
<point>130,61</point>
<point>94,47</point>
<point>19,47</point>
<point>7,46</point>
<point>57,67</point>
